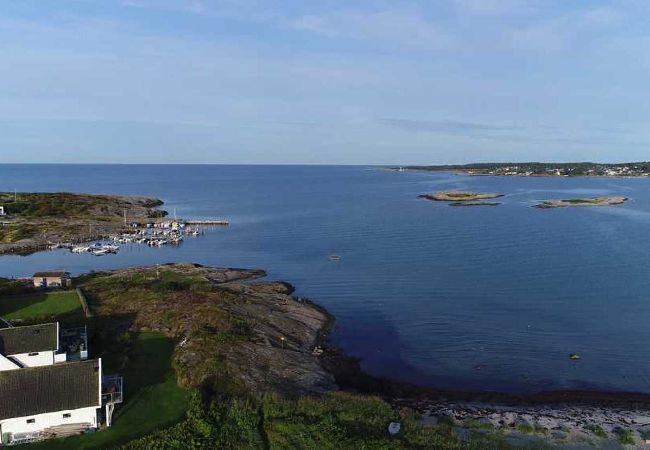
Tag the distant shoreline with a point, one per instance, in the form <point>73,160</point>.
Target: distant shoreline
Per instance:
<point>536,169</point>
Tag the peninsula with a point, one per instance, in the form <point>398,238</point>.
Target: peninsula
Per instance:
<point>223,359</point>
<point>31,221</point>
<point>579,202</point>
<point>630,169</point>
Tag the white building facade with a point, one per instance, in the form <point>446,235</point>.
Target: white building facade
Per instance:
<point>41,393</point>
<point>31,346</point>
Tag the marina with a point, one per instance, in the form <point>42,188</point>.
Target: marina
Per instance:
<point>154,234</point>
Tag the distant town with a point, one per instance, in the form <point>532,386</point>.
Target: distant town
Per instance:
<point>530,169</point>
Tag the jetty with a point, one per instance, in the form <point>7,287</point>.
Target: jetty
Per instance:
<point>208,222</point>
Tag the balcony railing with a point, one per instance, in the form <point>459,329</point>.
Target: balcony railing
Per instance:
<point>112,391</point>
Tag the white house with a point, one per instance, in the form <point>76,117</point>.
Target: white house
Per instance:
<point>42,393</point>
<point>52,279</point>
<point>31,346</point>
<point>2,211</point>
<point>49,401</point>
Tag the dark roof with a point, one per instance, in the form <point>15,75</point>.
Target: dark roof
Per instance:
<point>51,274</point>
<point>34,338</point>
<point>38,390</point>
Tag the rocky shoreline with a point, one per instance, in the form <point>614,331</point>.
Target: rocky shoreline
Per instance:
<point>563,419</point>
<point>570,419</point>
<point>574,426</point>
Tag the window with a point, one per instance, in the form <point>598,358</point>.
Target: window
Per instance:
<point>67,415</point>
<point>31,420</point>
<point>33,354</point>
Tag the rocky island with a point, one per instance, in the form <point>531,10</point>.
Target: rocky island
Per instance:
<point>31,221</point>
<point>577,202</point>
<point>462,198</point>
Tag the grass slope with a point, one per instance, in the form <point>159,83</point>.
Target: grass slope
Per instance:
<point>153,399</point>
<point>41,306</point>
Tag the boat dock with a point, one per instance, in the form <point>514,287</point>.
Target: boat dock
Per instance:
<point>206,222</point>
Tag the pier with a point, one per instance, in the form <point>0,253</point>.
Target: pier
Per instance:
<point>206,222</point>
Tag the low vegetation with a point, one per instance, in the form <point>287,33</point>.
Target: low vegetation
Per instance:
<point>525,428</point>
<point>624,436</point>
<point>331,421</point>
<point>14,287</point>
<point>597,430</point>
<point>475,423</point>
<point>65,205</point>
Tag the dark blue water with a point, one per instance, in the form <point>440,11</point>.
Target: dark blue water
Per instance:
<point>481,298</point>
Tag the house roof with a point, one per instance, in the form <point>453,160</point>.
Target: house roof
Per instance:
<point>38,390</point>
<point>34,338</point>
<point>51,274</point>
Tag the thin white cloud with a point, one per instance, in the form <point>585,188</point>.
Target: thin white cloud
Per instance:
<point>498,8</point>
<point>396,27</point>
<point>446,126</point>
<point>565,31</point>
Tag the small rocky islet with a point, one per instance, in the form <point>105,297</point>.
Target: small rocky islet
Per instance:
<point>462,198</point>
<point>466,198</point>
<point>579,202</point>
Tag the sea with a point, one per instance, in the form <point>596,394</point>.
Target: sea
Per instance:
<point>480,298</point>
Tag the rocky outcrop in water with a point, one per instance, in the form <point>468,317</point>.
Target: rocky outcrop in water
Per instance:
<point>579,202</point>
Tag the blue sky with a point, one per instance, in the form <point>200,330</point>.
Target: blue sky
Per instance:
<point>338,82</point>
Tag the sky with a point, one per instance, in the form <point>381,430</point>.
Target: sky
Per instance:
<point>323,81</point>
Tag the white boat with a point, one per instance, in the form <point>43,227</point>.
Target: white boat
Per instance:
<point>80,249</point>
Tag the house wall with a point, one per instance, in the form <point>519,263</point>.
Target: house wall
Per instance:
<point>43,421</point>
<point>7,364</point>
<point>37,360</point>
<point>52,282</point>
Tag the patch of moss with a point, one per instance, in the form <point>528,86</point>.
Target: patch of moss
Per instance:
<point>624,436</point>
<point>525,428</point>
<point>597,430</point>
<point>477,424</point>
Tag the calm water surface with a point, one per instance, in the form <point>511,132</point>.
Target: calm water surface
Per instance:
<point>482,298</point>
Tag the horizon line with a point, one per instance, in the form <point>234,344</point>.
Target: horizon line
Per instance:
<point>312,164</point>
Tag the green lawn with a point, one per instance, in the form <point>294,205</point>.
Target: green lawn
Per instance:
<point>153,399</point>
<point>41,306</point>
